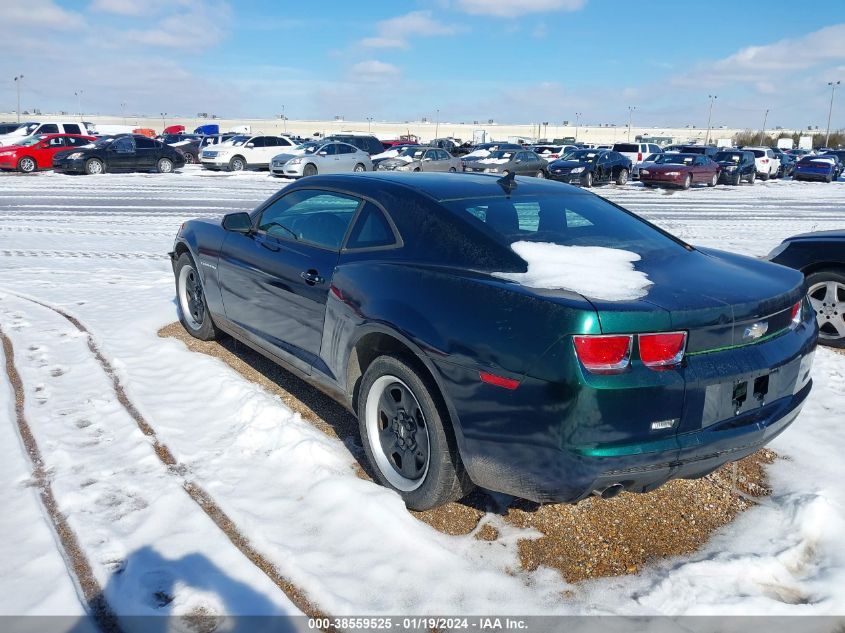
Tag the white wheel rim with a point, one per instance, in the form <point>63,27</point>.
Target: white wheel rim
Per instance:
<point>184,273</point>
<point>96,167</point>
<point>371,421</point>
<point>27,164</point>
<point>165,166</point>
<point>829,310</point>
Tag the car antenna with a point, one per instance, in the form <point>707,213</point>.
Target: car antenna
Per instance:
<point>508,182</point>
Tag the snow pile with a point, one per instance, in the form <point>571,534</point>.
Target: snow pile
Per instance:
<point>494,161</point>
<point>479,152</point>
<point>391,153</point>
<point>592,271</point>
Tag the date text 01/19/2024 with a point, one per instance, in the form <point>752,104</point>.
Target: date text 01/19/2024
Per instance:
<point>421,623</point>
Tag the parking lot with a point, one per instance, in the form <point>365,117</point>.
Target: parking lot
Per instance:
<point>305,529</point>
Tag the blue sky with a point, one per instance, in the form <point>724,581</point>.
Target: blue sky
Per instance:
<point>518,61</point>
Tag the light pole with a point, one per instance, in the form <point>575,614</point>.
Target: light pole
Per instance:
<point>577,121</point>
<point>163,124</point>
<point>369,123</point>
<point>18,80</point>
<point>630,113</point>
<point>832,85</point>
<point>123,111</point>
<point>78,95</point>
<point>763,131</point>
<point>284,119</point>
<point>709,116</point>
<point>546,130</point>
<point>437,124</point>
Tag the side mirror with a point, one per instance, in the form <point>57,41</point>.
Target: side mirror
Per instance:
<point>323,153</point>
<point>248,145</point>
<point>239,222</point>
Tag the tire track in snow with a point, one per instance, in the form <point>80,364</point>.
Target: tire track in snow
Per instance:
<point>76,561</point>
<point>195,492</point>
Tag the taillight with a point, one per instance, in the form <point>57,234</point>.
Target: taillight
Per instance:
<point>797,314</point>
<point>639,156</point>
<point>604,354</point>
<point>662,351</point>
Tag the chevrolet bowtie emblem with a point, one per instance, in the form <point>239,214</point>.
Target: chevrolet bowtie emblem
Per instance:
<point>755,331</point>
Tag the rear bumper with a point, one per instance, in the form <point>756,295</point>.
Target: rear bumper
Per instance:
<point>559,442</point>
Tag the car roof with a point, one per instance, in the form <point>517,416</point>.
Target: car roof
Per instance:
<point>439,186</point>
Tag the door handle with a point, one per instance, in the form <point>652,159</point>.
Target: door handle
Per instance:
<point>311,277</point>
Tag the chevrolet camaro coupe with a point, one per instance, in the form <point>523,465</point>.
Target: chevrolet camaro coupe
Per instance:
<point>522,335</point>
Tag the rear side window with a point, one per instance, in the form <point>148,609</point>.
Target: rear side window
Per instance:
<point>144,143</point>
<point>372,230</point>
<point>48,128</point>
<point>72,128</point>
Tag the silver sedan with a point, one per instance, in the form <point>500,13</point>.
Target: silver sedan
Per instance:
<point>421,159</point>
<point>326,158</point>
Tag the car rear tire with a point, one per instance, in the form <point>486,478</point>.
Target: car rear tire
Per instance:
<point>622,177</point>
<point>452,170</point>
<point>190,300</point>
<point>417,169</point>
<point>164,166</point>
<point>540,174</point>
<point>309,170</point>
<point>238,163</point>
<point>27,165</point>
<point>752,178</point>
<point>94,167</point>
<point>738,179</point>
<point>827,298</point>
<point>765,176</point>
<point>407,435</point>
<point>588,179</point>
<point>687,182</point>
<point>359,168</point>
<point>829,178</point>
<point>189,158</point>
<point>713,181</point>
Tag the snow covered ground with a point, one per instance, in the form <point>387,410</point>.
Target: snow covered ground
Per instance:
<point>95,248</point>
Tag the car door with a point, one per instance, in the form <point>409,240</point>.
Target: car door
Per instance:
<point>120,154</point>
<point>346,159</point>
<point>602,168</point>
<point>47,149</point>
<point>328,159</point>
<point>147,153</point>
<point>429,160</point>
<point>275,282</point>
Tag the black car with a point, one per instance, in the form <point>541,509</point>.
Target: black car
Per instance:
<point>483,150</point>
<point>588,167</point>
<point>630,358</point>
<point>8,128</point>
<point>186,144</point>
<point>121,153</point>
<point>737,165</point>
<point>708,150</point>
<point>366,143</point>
<point>821,257</point>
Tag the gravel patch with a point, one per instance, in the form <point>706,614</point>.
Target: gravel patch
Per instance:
<point>597,537</point>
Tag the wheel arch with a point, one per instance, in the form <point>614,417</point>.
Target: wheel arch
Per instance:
<point>817,267</point>
<point>374,341</point>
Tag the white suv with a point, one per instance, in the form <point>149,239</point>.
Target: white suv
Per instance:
<point>636,152</point>
<point>62,127</point>
<point>244,151</point>
<point>768,164</point>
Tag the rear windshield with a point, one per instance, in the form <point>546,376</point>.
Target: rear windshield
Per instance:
<point>626,147</point>
<point>759,153</point>
<point>733,157</point>
<point>568,220</point>
<point>582,155</point>
<point>693,150</point>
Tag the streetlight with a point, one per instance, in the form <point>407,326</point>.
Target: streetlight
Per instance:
<point>78,95</point>
<point>630,113</point>
<point>709,115</point>
<point>18,80</point>
<point>546,130</point>
<point>163,124</point>
<point>763,131</point>
<point>577,121</point>
<point>284,119</point>
<point>369,121</point>
<point>832,85</point>
<point>437,124</point>
<point>123,111</point>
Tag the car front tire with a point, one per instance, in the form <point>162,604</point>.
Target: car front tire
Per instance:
<point>309,170</point>
<point>27,165</point>
<point>407,437</point>
<point>190,299</point>
<point>622,177</point>
<point>94,167</point>
<point>237,163</point>
<point>164,166</point>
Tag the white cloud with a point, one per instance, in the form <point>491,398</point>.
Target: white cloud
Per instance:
<point>395,32</point>
<point>514,8</point>
<point>43,14</point>
<point>197,27</point>
<point>373,70</point>
<point>758,64</point>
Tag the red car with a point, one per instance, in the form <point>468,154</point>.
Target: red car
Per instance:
<point>680,170</point>
<point>36,152</point>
